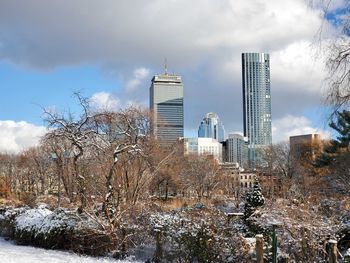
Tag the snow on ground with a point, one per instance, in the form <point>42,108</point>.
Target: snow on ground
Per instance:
<point>11,253</point>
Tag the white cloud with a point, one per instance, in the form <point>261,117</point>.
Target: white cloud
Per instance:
<point>149,30</point>
<point>18,136</point>
<point>203,44</point>
<point>291,125</point>
<point>105,101</point>
<point>139,75</point>
<point>298,68</point>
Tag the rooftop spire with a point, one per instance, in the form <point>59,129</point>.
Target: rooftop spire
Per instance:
<point>165,66</point>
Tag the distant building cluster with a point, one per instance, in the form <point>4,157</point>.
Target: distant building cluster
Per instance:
<point>167,106</point>
<point>237,153</point>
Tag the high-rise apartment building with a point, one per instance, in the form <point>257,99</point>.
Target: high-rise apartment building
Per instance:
<point>211,127</point>
<point>256,102</point>
<point>166,104</point>
<point>236,150</point>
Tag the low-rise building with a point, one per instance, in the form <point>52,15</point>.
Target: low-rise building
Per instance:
<point>237,181</point>
<point>203,146</point>
<point>305,146</point>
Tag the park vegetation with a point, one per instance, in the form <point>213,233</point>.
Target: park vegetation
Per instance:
<point>101,184</point>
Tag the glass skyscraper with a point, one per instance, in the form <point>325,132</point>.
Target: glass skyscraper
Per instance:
<point>256,102</point>
<point>166,104</point>
<point>211,127</point>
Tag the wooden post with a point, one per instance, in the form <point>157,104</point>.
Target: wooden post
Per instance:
<point>124,245</point>
<point>333,251</point>
<point>259,247</point>
<point>274,245</point>
<point>158,254</point>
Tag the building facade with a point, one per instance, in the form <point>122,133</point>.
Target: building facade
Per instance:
<point>203,146</point>
<point>167,107</point>
<point>304,147</point>
<point>256,103</point>
<point>236,150</point>
<point>237,183</point>
<point>211,127</point>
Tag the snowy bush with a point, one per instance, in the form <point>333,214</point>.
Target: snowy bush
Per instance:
<point>45,228</point>
<point>32,219</point>
<point>194,235</point>
<point>7,220</point>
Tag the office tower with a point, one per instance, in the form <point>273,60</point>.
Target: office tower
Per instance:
<point>236,150</point>
<point>203,146</point>
<point>211,127</point>
<point>256,103</point>
<point>166,104</point>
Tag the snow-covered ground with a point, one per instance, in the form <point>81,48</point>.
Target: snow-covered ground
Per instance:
<point>11,253</point>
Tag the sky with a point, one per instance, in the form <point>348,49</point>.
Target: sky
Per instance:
<point>109,50</point>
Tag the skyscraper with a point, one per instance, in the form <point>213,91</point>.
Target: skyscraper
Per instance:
<point>211,127</point>
<point>166,104</point>
<point>256,102</point>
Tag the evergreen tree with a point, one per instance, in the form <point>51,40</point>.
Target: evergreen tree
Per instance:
<point>254,199</point>
<point>342,126</point>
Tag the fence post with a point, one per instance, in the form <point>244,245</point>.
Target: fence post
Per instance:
<point>259,246</point>
<point>274,241</point>
<point>158,254</point>
<point>333,251</point>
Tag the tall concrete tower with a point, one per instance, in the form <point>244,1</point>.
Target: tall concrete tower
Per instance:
<point>167,106</point>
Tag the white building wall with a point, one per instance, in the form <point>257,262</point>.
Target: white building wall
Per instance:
<point>203,146</point>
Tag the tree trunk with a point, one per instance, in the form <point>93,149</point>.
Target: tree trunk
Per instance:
<point>109,202</point>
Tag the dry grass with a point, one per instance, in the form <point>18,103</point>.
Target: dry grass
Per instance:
<point>175,203</point>
<point>10,202</point>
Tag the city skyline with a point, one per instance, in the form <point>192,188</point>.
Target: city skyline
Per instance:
<point>110,50</point>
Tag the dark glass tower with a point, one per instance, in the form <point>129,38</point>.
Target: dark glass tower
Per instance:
<point>166,104</point>
<point>256,103</point>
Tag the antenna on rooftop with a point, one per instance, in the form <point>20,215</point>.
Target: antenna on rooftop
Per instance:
<point>165,66</point>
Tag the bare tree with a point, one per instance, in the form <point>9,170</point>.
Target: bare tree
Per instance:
<point>59,150</point>
<point>79,132</point>
<point>202,173</point>
<point>122,136</point>
<point>276,160</point>
<point>7,175</point>
<point>337,50</point>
